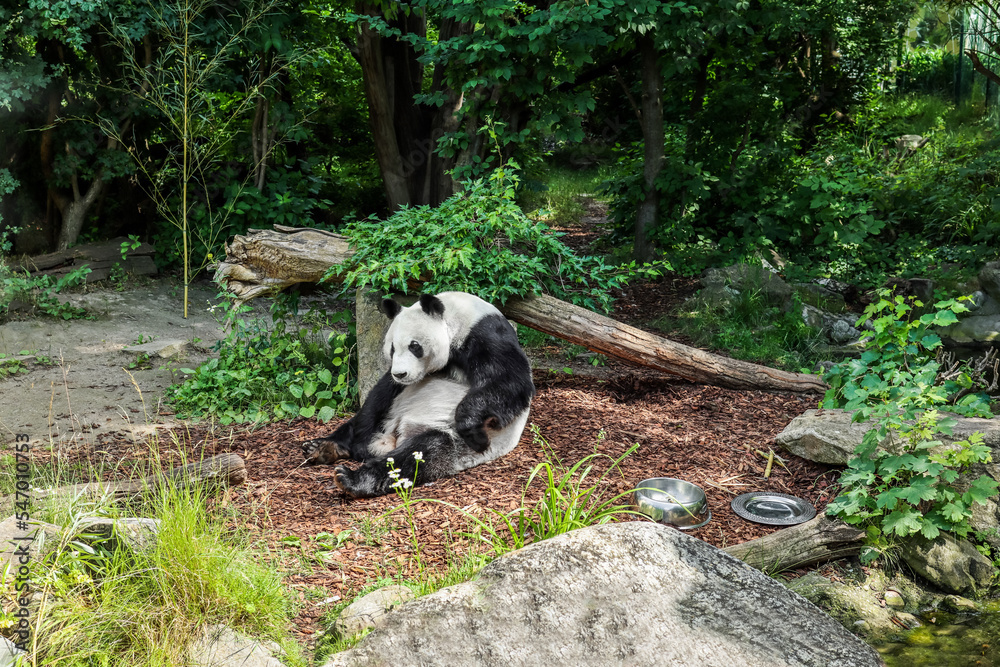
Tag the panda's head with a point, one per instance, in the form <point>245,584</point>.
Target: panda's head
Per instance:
<point>417,343</point>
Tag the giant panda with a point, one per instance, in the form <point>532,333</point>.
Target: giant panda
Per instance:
<point>458,391</point>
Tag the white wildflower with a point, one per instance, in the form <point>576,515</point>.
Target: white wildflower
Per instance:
<point>418,456</point>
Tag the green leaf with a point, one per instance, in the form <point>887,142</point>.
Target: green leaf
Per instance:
<point>307,411</point>
<point>901,522</point>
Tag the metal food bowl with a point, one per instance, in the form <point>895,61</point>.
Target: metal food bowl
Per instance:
<point>673,501</point>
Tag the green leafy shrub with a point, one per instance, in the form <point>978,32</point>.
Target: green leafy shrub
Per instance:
<point>902,480</point>
<point>478,241</point>
<point>266,373</point>
<point>914,485</point>
<point>897,375</point>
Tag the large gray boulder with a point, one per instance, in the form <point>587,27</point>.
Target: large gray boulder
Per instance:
<point>634,593</point>
<point>9,654</point>
<point>749,276</point>
<point>829,436</point>
<point>952,565</point>
<point>824,436</point>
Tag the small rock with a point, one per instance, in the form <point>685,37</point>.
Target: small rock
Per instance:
<point>841,333</point>
<point>136,534</point>
<point>365,612</point>
<point>160,348</point>
<point>989,279</point>
<point>894,599</point>
<point>831,436</point>
<point>823,366</point>
<point>714,297</point>
<point>220,646</point>
<point>40,537</point>
<point>749,276</point>
<point>950,564</point>
<point>978,298</point>
<point>909,620</point>
<point>812,316</point>
<point>959,605</point>
<point>9,653</point>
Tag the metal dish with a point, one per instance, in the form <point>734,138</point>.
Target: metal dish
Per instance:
<point>773,509</point>
<point>674,502</point>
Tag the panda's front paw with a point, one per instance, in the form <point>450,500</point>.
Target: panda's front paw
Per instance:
<point>324,450</point>
<point>474,435</point>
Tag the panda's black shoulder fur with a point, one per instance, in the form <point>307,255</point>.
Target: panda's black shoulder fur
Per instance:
<point>499,377</point>
<point>491,353</point>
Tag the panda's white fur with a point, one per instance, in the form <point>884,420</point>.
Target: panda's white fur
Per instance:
<point>420,407</point>
<point>458,391</point>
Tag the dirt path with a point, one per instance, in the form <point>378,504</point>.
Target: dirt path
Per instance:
<point>77,382</point>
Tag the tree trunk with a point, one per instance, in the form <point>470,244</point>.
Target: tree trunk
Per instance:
<point>819,540</point>
<point>378,76</point>
<point>268,261</point>
<point>653,139</point>
<point>74,212</point>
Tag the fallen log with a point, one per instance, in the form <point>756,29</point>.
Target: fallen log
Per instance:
<point>266,262</point>
<point>211,474</point>
<point>100,257</point>
<point>818,540</point>
<point>608,336</point>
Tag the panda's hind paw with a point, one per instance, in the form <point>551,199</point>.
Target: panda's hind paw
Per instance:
<point>342,477</point>
<point>475,437</point>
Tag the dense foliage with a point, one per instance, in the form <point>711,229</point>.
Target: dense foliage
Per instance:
<point>281,371</point>
<point>259,112</point>
<point>902,479</point>
<point>478,241</point>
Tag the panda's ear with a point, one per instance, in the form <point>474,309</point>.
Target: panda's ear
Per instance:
<point>391,308</point>
<point>432,305</point>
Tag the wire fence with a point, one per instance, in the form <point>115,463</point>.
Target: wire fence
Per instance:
<point>947,70</point>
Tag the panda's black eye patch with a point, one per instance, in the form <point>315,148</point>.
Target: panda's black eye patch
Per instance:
<point>416,349</point>
<point>392,349</point>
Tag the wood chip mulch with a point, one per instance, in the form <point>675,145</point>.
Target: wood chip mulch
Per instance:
<point>703,434</point>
